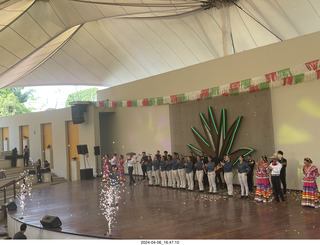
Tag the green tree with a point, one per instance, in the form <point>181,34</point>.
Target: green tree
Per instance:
<point>83,95</point>
<point>12,101</point>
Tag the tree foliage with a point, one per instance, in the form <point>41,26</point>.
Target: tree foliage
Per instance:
<point>12,101</point>
<point>83,95</point>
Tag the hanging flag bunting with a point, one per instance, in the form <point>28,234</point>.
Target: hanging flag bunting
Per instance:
<point>246,84</point>
<point>181,98</point>
<point>306,72</point>
<point>312,65</point>
<point>159,100</point>
<point>271,77</point>
<point>225,90</point>
<point>205,93</point>
<point>287,81</point>
<point>215,91</point>
<point>234,88</point>
<point>174,99</point>
<point>145,102</point>
<point>284,73</point>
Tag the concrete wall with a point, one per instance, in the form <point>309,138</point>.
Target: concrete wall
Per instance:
<point>135,130</point>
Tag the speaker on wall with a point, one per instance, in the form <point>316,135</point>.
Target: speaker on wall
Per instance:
<point>77,112</point>
<point>11,205</point>
<point>96,150</point>
<point>82,149</point>
<point>49,221</point>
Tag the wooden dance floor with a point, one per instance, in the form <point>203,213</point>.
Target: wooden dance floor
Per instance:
<point>146,212</point>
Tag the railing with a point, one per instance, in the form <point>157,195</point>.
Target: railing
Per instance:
<point>4,190</point>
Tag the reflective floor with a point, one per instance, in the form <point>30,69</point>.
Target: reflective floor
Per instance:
<point>147,212</point>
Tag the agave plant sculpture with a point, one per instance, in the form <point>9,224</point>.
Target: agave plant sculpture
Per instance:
<point>218,140</point>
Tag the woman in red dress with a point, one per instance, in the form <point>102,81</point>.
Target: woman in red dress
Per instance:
<point>106,167</point>
<point>310,194</point>
<point>264,189</point>
<point>121,168</point>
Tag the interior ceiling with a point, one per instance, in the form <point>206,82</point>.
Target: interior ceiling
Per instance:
<point>112,42</point>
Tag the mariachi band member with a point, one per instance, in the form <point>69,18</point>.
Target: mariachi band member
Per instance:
<point>143,161</point>
<point>251,163</point>
<point>189,173</point>
<point>211,175</point>
<point>275,167</point>
<point>175,175</point>
<point>228,175</point>
<point>182,172</point>
<point>148,164</point>
<point>163,170</point>
<point>169,170</point>
<point>156,170</point>
<point>199,171</point>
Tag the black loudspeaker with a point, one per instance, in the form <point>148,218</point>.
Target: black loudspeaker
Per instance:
<point>96,150</point>
<point>77,115</point>
<point>11,205</point>
<point>82,149</point>
<point>86,173</point>
<point>77,112</point>
<point>50,222</point>
<point>32,172</point>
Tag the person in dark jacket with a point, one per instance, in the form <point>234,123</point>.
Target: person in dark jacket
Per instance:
<point>20,234</point>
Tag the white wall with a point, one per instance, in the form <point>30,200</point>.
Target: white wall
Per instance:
<point>58,119</point>
<point>296,121</point>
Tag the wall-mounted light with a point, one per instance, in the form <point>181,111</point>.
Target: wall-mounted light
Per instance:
<point>48,146</point>
<point>25,137</point>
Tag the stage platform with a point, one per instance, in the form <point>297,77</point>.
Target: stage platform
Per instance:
<point>147,212</point>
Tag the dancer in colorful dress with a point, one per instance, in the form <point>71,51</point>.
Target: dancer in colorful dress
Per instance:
<point>263,189</point>
<point>120,167</point>
<point>106,167</point>
<point>310,194</point>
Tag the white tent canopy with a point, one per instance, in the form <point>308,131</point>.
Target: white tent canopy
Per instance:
<point>112,42</point>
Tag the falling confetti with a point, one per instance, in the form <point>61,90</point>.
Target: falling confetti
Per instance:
<point>25,191</point>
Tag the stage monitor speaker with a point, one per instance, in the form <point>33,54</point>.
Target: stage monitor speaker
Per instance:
<point>82,149</point>
<point>86,173</point>
<point>49,221</point>
<point>11,205</point>
<point>96,150</point>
